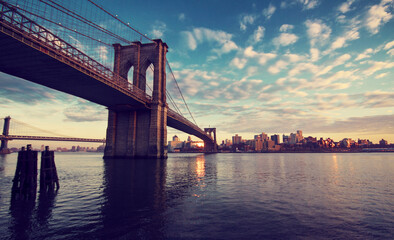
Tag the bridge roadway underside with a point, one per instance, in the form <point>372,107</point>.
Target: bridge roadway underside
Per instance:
<point>23,61</point>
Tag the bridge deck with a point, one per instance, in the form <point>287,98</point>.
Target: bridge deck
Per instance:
<point>25,56</point>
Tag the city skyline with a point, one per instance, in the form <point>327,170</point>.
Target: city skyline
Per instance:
<point>275,66</point>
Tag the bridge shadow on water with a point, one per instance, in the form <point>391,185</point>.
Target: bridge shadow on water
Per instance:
<point>129,199</point>
<point>134,199</point>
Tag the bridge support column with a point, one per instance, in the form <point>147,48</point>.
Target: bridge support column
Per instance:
<point>211,146</point>
<point>135,131</point>
<point>6,129</point>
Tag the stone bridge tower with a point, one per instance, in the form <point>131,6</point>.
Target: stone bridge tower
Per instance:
<point>210,147</point>
<point>6,129</point>
<point>132,131</point>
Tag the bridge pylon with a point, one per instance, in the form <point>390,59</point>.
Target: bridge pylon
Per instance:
<point>135,132</point>
<point>6,130</point>
<point>211,147</point>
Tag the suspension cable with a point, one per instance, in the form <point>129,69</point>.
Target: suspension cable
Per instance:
<point>36,128</point>
<point>167,94</point>
<point>173,76</point>
<point>127,25</point>
<point>57,24</point>
<point>84,20</point>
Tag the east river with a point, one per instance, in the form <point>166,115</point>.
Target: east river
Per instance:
<point>217,196</point>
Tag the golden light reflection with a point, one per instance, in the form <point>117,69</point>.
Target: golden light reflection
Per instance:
<point>335,163</point>
<point>200,166</point>
<point>335,168</point>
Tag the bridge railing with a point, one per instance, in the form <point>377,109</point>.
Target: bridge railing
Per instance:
<point>11,21</point>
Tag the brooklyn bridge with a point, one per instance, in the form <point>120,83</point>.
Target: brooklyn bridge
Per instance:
<point>53,44</point>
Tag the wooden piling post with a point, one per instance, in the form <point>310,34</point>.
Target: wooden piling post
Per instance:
<point>48,172</point>
<point>25,179</point>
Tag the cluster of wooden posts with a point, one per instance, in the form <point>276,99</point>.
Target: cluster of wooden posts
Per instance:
<point>25,179</point>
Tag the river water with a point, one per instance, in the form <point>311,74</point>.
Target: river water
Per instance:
<point>217,196</point>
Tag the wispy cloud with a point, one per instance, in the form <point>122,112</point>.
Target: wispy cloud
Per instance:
<point>318,32</point>
<point>269,11</point>
<point>346,6</point>
<point>221,40</point>
<point>246,20</point>
<point>309,4</point>
<point>378,15</point>
<point>85,112</point>
<point>158,29</point>
<point>285,39</point>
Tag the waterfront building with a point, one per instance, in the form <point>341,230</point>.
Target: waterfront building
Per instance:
<point>293,138</point>
<point>174,144</point>
<point>383,142</point>
<point>237,139</point>
<point>285,139</point>
<point>276,139</point>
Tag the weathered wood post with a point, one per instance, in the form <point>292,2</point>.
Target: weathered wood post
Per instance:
<point>25,179</point>
<point>48,172</point>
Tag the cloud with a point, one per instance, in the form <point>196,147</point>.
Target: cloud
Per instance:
<point>238,62</point>
<point>382,75</point>
<point>341,41</point>
<point>277,67</point>
<point>314,54</point>
<point>158,29</point>
<point>378,15</point>
<point>257,35</point>
<point>181,17</point>
<point>25,92</point>
<point>245,20</point>
<point>294,57</point>
<point>268,12</point>
<point>309,4</point>
<point>389,45</point>
<point>317,31</point>
<point>261,56</point>
<point>285,39</point>
<point>345,7</point>
<point>85,112</point>
<point>286,27</point>
<point>220,39</point>
<point>377,66</point>
<point>365,54</point>
<point>195,83</point>
<point>367,124</point>
<point>191,42</point>
<point>377,99</point>
<point>300,67</point>
<point>103,52</point>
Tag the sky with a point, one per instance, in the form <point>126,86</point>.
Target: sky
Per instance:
<point>245,67</point>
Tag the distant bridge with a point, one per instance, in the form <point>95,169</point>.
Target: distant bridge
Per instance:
<point>137,121</point>
<point>6,136</point>
<point>61,139</point>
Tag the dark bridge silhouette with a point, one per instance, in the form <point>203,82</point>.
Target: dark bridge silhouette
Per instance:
<point>137,122</point>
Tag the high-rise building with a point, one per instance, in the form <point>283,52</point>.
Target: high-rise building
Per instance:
<point>285,139</point>
<point>237,139</point>
<point>276,139</point>
<point>299,136</point>
<point>293,138</point>
<point>174,144</point>
<point>264,137</point>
